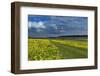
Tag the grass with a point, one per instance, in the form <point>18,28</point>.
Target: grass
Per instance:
<point>52,49</point>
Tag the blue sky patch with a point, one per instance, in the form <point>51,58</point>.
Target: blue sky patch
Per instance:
<point>55,26</point>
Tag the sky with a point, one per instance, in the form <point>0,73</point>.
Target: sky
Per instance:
<point>54,26</point>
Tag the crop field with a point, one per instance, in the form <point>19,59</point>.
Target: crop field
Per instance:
<point>54,49</point>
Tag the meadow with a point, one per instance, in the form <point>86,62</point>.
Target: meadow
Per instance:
<point>54,49</point>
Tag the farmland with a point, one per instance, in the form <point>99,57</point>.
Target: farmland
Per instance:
<point>54,49</point>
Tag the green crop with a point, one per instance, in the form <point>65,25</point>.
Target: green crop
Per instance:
<point>54,49</point>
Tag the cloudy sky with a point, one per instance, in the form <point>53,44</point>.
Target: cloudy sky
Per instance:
<point>53,26</point>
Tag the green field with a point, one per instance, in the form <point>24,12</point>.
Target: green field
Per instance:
<point>52,49</point>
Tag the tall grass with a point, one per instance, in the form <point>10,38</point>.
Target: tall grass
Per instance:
<point>52,49</point>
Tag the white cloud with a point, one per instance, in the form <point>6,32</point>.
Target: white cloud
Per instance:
<point>39,30</point>
<point>54,26</point>
<point>37,25</point>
